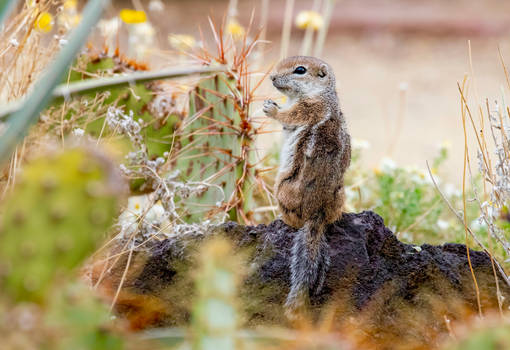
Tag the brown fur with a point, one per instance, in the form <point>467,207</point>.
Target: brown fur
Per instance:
<point>315,156</point>
<point>315,180</point>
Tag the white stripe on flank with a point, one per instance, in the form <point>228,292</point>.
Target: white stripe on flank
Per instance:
<point>290,140</point>
<point>311,144</point>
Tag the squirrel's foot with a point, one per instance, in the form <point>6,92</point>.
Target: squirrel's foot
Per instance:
<point>270,108</point>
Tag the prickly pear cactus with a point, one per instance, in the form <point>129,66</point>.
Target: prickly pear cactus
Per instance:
<point>61,208</point>
<point>156,129</point>
<point>80,320</point>
<point>215,317</point>
<point>222,144</point>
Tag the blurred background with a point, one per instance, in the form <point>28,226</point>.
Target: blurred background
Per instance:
<point>134,173</point>
<point>397,63</point>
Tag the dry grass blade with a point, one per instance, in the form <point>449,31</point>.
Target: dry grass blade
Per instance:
<point>471,233</point>
<point>40,96</point>
<point>477,289</point>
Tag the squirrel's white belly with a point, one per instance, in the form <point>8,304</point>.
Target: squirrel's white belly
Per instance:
<point>290,141</point>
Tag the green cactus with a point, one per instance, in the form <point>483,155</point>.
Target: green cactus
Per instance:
<point>157,133</point>
<point>491,336</point>
<point>62,205</point>
<point>215,317</point>
<point>80,321</point>
<point>214,143</point>
<point>223,143</point>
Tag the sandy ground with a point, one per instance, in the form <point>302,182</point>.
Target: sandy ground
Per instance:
<point>398,88</point>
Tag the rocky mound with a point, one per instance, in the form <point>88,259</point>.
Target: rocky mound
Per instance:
<point>376,284</point>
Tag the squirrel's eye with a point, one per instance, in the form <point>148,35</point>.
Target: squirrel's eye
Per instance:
<point>300,70</point>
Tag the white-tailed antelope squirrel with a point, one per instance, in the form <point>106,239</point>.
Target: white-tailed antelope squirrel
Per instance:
<point>315,154</point>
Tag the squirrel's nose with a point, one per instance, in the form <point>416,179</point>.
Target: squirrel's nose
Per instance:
<point>272,77</point>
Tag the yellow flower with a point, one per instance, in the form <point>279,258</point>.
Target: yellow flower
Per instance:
<point>235,29</point>
<point>70,4</point>
<point>181,41</point>
<point>312,19</point>
<point>44,22</point>
<point>132,16</point>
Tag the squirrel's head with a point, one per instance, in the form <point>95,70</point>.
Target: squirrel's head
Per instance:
<point>299,76</point>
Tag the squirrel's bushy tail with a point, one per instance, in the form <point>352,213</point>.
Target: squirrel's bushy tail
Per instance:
<point>309,263</point>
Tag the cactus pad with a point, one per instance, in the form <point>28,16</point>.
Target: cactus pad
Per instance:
<point>62,206</point>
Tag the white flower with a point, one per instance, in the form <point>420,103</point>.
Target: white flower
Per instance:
<point>388,165</point>
<point>478,224</point>
<point>156,6</point>
<point>312,19</point>
<point>109,28</point>
<point>139,206</point>
<point>144,31</point>
<point>446,144</point>
<point>156,213</point>
<point>78,132</point>
<point>451,190</point>
<point>14,42</point>
<point>443,225</point>
<point>141,38</point>
<point>360,144</point>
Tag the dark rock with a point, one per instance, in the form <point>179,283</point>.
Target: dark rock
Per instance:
<point>373,276</point>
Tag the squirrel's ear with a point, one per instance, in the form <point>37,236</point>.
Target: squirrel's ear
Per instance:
<point>322,71</point>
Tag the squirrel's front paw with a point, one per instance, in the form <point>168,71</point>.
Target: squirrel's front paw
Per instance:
<point>270,108</point>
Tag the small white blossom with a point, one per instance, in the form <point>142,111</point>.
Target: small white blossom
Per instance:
<point>388,165</point>
<point>451,190</point>
<point>109,28</point>
<point>360,144</point>
<point>78,132</point>
<point>478,224</point>
<point>443,225</point>
<point>446,144</point>
<point>156,6</point>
